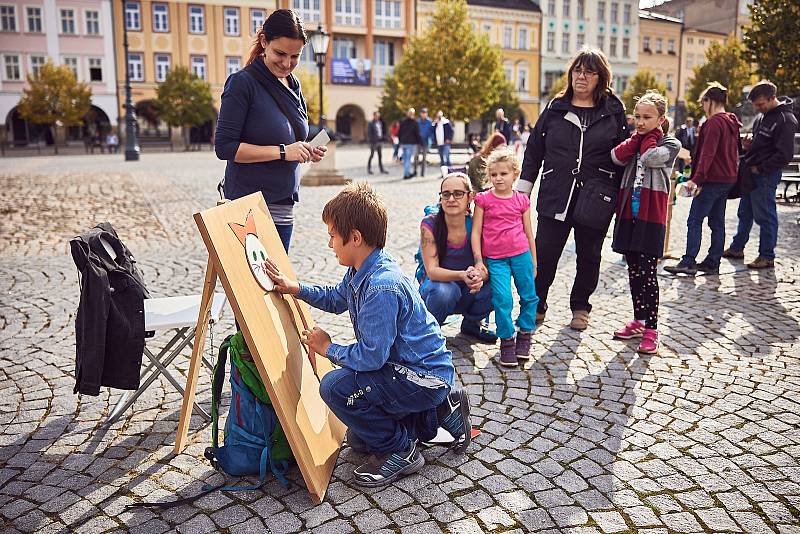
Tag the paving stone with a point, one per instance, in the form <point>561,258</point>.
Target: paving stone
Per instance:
<point>371,520</point>
<point>681,522</point>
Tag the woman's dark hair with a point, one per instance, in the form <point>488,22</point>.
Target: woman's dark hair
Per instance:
<point>440,225</point>
<point>594,60</point>
<point>281,23</point>
<point>715,92</point>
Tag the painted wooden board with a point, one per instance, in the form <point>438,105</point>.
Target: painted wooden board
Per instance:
<point>239,235</point>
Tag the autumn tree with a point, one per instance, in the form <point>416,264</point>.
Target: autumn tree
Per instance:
<point>55,98</point>
<point>639,84</point>
<point>725,64</point>
<point>772,42</point>
<point>310,84</point>
<point>184,100</point>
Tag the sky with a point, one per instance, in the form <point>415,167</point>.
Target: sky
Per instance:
<point>649,3</point>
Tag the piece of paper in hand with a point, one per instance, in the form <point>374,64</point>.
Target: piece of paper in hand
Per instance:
<point>321,139</point>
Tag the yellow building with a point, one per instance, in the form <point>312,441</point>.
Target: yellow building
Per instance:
<point>694,44</point>
<point>515,26</point>
<point>660,49</point>
<point>214,39</point>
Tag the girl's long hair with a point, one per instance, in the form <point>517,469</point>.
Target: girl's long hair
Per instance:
<point>281,23</point>
<point>440,226</point>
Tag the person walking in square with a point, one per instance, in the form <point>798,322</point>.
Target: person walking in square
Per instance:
<point>410,139</point>
<point>714,170</point>
<point>767,152</point>
<point>426,135</point>
<point>376,135</point>
<point>443,137</point>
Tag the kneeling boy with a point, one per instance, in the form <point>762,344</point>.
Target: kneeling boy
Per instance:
<point>394,387</point>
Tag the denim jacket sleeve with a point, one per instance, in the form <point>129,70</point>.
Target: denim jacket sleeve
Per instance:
<point>332,299</point>
<point>376,330</point>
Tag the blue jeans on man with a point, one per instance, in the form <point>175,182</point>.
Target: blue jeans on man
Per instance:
<point>759,206</point>
<point>447,298</point>
<point>444,155</point>
<point>710,202</point>
<point>408,156</point>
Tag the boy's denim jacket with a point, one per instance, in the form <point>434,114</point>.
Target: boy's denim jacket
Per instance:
<point>390,320</point>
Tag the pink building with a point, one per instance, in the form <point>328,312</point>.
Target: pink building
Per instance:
<point>76,33</point>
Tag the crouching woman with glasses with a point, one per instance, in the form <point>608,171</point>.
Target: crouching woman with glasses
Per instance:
<point>451,283</point>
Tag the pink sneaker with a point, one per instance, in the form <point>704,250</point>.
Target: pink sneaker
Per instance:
<point>649,343</point>
<point>629,331</point>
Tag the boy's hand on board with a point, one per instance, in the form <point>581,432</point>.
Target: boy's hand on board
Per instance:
<point>283,284</point>
<point>317,340</point>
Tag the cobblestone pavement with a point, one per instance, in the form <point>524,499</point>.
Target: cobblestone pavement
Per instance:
<point>588,437</point>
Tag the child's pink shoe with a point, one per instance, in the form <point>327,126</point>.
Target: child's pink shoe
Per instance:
<point>629,331</point>
<point>649,343</point>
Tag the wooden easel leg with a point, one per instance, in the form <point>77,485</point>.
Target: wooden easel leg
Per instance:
<point>197,352</point>
<point>666,254</point>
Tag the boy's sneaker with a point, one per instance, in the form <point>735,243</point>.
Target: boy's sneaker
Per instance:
<point>629,331</point>
<point>508,352</point>
<point>453,415</point>
<point>379,471</point>
<point>682,268</point>
<point>475,330</point>
<point>523,348</point>
<point>706,267</point>
<point>649,343</point>
<point>733,254</point>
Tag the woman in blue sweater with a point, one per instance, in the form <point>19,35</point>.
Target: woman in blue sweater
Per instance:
<point>263,122</point>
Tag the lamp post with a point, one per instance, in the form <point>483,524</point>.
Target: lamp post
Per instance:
<point>131,141</point>
<point>319,45</point>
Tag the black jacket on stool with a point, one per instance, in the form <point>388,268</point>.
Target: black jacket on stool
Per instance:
<point>109,324</point>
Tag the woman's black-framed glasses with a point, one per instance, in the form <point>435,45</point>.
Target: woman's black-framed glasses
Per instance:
<point>457,194</point>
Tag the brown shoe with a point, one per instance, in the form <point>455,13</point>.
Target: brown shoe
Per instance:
<point>539,318</point>
<point>761,263</point>
<point>733,254</point>
<point>580,320</point>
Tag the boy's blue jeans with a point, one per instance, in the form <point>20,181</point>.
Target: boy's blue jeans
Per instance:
<point>759,206</point>
<point>446,298</point>
<point>409,151</point>
<point>709,203</point>
<point>444,155</point>
<point>385,408</point>
<point>500,273</point>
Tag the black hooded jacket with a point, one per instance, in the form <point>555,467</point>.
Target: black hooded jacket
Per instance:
<point>109,325</point>
<point>773,138</point>
<point>570,154</point>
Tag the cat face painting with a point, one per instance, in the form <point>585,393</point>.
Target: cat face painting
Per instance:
<point>254,250</point>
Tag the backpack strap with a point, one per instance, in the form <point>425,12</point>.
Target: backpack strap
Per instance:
<point>216,389</point>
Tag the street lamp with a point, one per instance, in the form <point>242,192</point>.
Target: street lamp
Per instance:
<point>131,141</point>
<point>319,45</point>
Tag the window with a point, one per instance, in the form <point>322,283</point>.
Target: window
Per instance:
<point>95,69</point>
<point>163,64</point>
<point>671,46</point>
<point>658,77</point>
<point>601,11</point>
<point>565,9</point>
<point>135,67</point>
<point>197,19</point>
<point>348,12</point>
<point>690,40</point>
<point>12,70</point>
<point>669,82</point>
<point>565,43</point>
<point>199,66</point>
<point>626,14</point>
<point>551,8</point>
<point>231,20</point>
<point>614,12</point>
<point>701,59</point>
<point>659,45</point>
<point>388,14</point>
<point>8,23</point>
<point>701,42</point>
<point>601,42</point>
<point>160,18</point>
<point>232,64</point>
<point>383,60</point>
<point>487,29</point>
<point>307,60</point>
<point>580,9</point>
<point>257,18</point>
<point>646,44</point>
<point>550,79</point>
<point>92,22</point>
<point>344,48</point>
<point>580,40</point>
<point>34,16</point>
<point>612,46</point>
<point>689,61</point>
<point>522,77</point>
<point>626,47</point>
<point>68,21</point>
<point>72,63</point>
<point>508,71</point>
<point>133,16</point>
<point>508,37</point>
<point>551,41</point>
<point>307,9</point>
<point>36,63</point>
<point>522,39</point>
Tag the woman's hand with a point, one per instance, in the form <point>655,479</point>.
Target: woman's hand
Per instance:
<point>282,283</point>
<point>473,279</point>
<point>317,153</point>
<point>299,151</point>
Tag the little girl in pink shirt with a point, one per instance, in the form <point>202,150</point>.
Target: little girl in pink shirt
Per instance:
<point>503,238</point>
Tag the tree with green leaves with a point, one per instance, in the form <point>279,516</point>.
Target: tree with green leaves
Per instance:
<point>55,98</point>
<point>725,64</point>
<point>448,67</point>
<point>184,100</point>
<point>390,108</point>
<point>309,82</point>
<point>639,84</point>
<point>558,86</point>
<point>772,42</point>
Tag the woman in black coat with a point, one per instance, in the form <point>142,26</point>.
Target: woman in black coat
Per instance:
<point>570,147</point>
